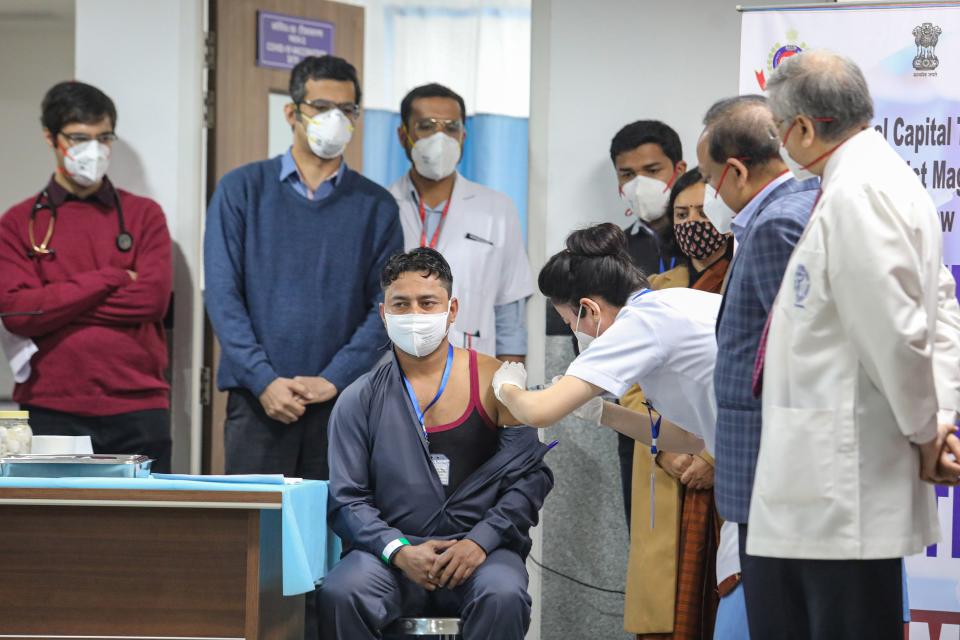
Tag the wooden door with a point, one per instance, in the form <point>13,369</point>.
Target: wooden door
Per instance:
<point>241,92</point>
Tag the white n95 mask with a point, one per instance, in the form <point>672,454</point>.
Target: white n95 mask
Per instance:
<point>584,340</point>
<point>418,334</point>
<point>646,197</point>
<point>799,171</point>
<point>329,133</point>
<point>86,163</point>
<point>716,210</point>
<point>436,156</point>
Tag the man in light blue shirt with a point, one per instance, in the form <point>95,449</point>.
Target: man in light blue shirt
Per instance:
<point>290,174</point>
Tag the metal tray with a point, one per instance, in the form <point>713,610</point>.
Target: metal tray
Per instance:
<point>75,466</point>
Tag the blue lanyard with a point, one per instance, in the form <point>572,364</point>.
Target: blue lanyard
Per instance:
<point>654,427</point>
<point>443,386</point>
<point>663,266</point>
<point>654,434</point>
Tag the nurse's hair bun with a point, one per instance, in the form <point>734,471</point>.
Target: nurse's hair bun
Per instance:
<point>595,264</point>
<point>600,240</point>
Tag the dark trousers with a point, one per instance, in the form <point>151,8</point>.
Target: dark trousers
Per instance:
<point>822,599</point>
<point>625,446</point>
<point>139,432</point>
<point>361,595</point>
<point>256,443</point>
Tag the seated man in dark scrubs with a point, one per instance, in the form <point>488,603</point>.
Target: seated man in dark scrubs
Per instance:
<point>432,499</point>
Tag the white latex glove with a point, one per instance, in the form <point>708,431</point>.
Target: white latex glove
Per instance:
<point>591,411</point>
<point>509,373</point>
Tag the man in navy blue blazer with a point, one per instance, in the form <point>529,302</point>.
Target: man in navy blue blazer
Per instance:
<point>767,209</point>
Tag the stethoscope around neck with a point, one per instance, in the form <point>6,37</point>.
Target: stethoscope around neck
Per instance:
<point>124,240</point>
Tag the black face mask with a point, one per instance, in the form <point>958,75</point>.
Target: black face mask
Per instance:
<point>699,239</point>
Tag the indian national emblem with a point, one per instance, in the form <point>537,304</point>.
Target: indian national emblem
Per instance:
<point>926,36</point>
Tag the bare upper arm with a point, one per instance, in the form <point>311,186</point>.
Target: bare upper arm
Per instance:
<point>486,368</point>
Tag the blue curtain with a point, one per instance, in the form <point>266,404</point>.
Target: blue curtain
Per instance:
<point>495,153</point>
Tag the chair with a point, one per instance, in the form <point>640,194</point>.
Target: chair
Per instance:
<point>444,628</point>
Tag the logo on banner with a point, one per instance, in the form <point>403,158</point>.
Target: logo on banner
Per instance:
<point>926,37</point>
<point>779,53</point>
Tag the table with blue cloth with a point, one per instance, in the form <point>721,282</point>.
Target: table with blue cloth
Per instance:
<point>120,557</point>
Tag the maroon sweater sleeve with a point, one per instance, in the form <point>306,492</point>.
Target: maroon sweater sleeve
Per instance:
<point>21,288</point>
<point>146,299</point>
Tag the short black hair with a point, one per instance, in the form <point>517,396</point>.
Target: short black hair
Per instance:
<point>595,263</point>
<point>422,260</point>
<point>322,68</point>
<point>432,90</point>
<point>71,101</point>
<point>647,132</point>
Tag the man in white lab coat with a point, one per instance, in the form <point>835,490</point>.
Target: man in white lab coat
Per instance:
<point>861,384</point>
<point>476,228</point>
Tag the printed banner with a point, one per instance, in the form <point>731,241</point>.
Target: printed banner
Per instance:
<point>910,55</point>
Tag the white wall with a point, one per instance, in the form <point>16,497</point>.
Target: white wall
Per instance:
<point>148,56</point>
<point>596,67</point>
<point>612,62</point>
<point>40,39</point>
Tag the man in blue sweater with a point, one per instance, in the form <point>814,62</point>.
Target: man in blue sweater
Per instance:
<point>294,246</point>
<point>293,250</point>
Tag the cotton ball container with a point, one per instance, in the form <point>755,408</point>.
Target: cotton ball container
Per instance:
<point>15,433</point>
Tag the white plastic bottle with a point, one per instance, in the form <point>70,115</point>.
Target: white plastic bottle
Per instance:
<point>15,432</point>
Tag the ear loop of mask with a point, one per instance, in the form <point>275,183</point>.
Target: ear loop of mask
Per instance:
<point>65,150</point>
<point>723,175</point>
<point>807,166</point>
<point>576,327</point>
<point>673,177</point>
<point>406,133</point>
<point>66,154</point>
<point>302,119</point>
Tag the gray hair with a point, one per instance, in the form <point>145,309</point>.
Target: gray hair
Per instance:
<point>822,85</point>
<point>742,127</point>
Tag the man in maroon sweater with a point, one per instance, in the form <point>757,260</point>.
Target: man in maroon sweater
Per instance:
<point>94,262</point>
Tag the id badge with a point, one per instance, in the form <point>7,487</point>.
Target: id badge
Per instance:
<point>442,464</point>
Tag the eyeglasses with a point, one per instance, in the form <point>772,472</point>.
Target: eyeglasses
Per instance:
<point>80,138</point>
<point>317,107</point>
<point>428,126</point>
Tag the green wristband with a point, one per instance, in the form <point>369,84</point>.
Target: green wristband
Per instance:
<point>391,549</point>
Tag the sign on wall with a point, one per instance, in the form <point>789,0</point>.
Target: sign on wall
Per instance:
<point>283,41</point>
<point>910,55</point>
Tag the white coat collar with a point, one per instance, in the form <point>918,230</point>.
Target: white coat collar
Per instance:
<point>463,189</point>
<point>859,146</point>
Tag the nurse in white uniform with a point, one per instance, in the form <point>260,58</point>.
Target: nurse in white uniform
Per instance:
<point>661,340</point>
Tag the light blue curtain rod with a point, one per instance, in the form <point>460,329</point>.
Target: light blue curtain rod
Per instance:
<point>845,6</point>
